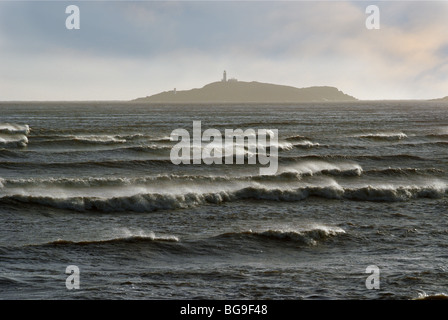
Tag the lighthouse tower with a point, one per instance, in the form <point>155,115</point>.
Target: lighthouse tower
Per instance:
<point>224,76</point>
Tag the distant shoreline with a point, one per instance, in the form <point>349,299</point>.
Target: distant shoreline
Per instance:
<point>231,92</point>
<point>220,103</point>
<point>248,92</point>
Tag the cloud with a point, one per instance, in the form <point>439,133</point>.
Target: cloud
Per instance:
<point>129,49</point>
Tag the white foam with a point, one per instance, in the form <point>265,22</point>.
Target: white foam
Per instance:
<point>147,198</point>
<point>422,295</point>
<point>98,138</point>
<point>15,140</point>
<point>306,143</point>
<point>387,135</point>
<point>317,166</point>
<point>309,235</point>
<point>127,233</point>
<point>12,128</point>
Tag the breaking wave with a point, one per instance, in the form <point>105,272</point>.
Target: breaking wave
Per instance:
<point>102,139</point>
<point>119,240</point>
<point>296,138</point>
<point>309,168</point>
<point>161,139</point>
<point>14,140</point>
<point>83,139</point>
<point>387,136</point>
<point>437,296</point>
<point>156,201</point>
<point>97,139</point>
<point>10,128</point>
<point>289,173</point>
<point>327,157</point>
<point>305,144</point>
<point>404,171</point>
<point>13,135</point>
<point>292,172</point>
<point>308,237</point>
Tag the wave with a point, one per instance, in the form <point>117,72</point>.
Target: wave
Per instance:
<point>437,296</point>
<point>441,135</point>
<point>92,182</point>
<point>6,281</point>
<point>86,182</point>
<point>271,123</point>
<point>286,145</point>
<point>288,173</point>
<point>13,135</point>
<point>8,153</point>
<point>147,148</point>
<point>102,139</point>
<point>397,157</point>
<point>163,143</point>
<point>421,144</point>
<point>47,134</point>
<point>158,201</point>
<point>14,140</point>
<point>387,136</point>
<point>135,203</point>
<point>395,194</point>
<point>309,237</point>
<point>310,168</point>
<point>96,139</point>
<point>11,128</point>
<point>164,161</point>
<point>305,144</point>
<point>161,139</point>
<point>83,139</point>
<point>296,138</point>
<point>120,240</point>
<point>87,164</point>
<point>404,171</point>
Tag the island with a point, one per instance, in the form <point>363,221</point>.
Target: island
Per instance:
<point>234,91</point>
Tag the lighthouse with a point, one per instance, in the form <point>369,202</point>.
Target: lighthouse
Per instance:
<point>224,76</point>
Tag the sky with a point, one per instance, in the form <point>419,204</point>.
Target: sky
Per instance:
<point>129,49</point>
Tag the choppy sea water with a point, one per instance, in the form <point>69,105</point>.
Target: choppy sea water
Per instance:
<point>92,185</point>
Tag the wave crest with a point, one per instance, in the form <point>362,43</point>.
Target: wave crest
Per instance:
<point>15,140</point>
<point>14,135</point>
<point>309,168</point>
<point>155,201</point>
<point>388,136</point>
<point>11,128</point>
<point>309,237</point>
<point>98,139</point>
<point>120,240</point>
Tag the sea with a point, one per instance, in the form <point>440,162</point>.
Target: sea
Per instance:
<point>92,207</point>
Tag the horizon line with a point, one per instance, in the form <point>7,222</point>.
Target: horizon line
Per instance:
<point>106,100</point>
